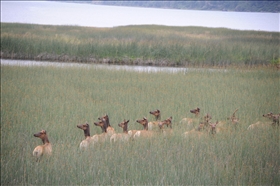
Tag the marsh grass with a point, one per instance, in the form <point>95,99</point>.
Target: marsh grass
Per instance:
<point>146,44</point>
<point>57,99</point>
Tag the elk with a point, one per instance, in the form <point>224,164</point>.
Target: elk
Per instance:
<point>233,118</point>
<point>167,122</point>
<point>88,139</point>
<point>46,148</point>
<point>104,135</point>
<point>213,127</point>
<point>121,136</point>
<point>105,125</point>
<point>190,121</point>
<point>153,124</point>
<point>156,113</point>
<point>273,117</point>
<point>145,132</point>
<point>195,111</point>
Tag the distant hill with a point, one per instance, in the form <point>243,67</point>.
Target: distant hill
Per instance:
<point>236,6</point>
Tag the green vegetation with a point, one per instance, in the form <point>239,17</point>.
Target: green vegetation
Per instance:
<point>57,99</point>
<point>140,45</point>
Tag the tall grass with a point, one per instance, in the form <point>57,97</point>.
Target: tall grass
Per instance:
<point>157,45</point>
<point>57,99</point>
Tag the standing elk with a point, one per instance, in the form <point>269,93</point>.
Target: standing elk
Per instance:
<point>121,136</point>
<point>46,148</point>
<point>153,124</point>
<point>191,121</point>
<point>145,132</point>
<point>105,125</point>
<point>273,117</point>
<point>88,139</point>
<point>233,118</point>
<point>259,124</point>
<point>168,123</point>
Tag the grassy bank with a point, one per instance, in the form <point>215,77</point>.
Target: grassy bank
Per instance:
<point>140,45</point>
<point>57,99</point>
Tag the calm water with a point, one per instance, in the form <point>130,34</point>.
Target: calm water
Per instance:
<point>58,13</point>
<point>149,69</point>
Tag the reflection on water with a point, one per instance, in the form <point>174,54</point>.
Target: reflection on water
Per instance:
<point>150,69</point>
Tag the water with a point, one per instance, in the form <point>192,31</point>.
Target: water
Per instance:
<point>59,13</point>
<point>149,69</point>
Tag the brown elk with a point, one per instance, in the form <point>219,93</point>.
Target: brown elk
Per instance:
<point>271,116</point>
<point>233,118</point>
<point>153,124</point>
<point>156,113</point>
<point>213,129</point>
<point>145,132</point>
<point>46,148</point>
<point>167,122</point>
<point>121,136</point>
<point>105,125</point>
<point>195,111</point>
<point>88,139</point>
<point>191,121</point>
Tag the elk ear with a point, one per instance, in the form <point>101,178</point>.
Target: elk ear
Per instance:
<point>127,121</point>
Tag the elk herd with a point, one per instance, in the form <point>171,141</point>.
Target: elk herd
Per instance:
<point>195,126</point>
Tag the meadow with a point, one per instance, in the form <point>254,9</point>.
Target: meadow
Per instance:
<point>141,45</point>
<point>58,99</point>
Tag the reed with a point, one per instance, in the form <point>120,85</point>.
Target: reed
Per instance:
<point>146,44</point>
<point>57,99</point>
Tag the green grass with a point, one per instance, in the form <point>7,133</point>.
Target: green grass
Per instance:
<point>148,45</point>
<point>57,99</point>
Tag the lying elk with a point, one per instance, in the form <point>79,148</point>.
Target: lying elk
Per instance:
<point>121,136</point>
<point>88,139</point>
<point>46,148</point>
<point>145,132</point>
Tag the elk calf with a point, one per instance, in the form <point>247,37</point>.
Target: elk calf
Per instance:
<point>46,148</point>
<point>121,137</point>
